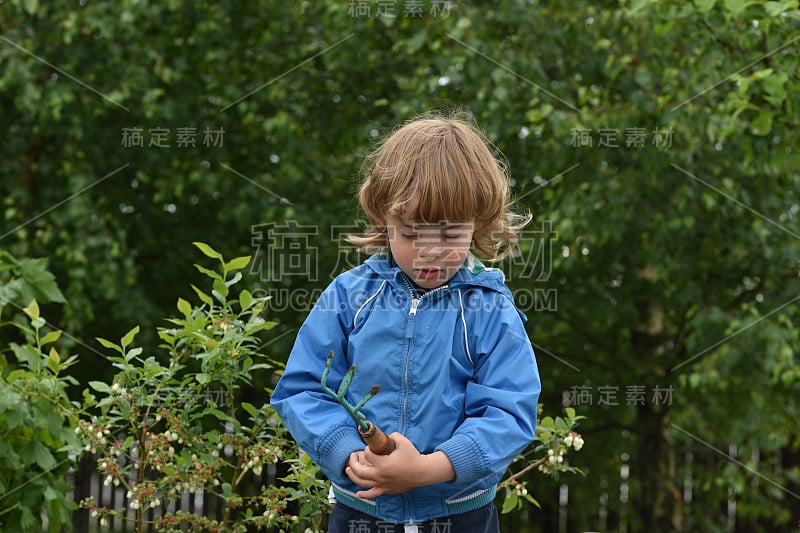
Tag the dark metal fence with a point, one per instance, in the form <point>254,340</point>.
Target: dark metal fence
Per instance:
<point>614,509</point>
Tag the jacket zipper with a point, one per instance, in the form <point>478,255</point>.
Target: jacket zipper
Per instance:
<point>412,314</point>
<point>413,293</point>
<point>409,336</point>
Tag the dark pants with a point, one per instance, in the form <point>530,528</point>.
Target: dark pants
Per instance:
<point>347,520</point>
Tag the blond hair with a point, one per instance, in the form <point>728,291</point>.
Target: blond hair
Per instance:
<point>445,164</point>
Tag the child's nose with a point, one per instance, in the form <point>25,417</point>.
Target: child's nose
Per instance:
<point>430,250</point>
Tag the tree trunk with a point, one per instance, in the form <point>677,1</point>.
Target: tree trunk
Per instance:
<point>658,502</point>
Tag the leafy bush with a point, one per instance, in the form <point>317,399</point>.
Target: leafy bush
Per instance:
<point>36,417</point>
<point>165,427</point>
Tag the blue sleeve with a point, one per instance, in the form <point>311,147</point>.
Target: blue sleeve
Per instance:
<point>501,400</point>
<point>321,426</point>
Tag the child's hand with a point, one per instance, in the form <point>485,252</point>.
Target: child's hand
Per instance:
<point>402,470</point>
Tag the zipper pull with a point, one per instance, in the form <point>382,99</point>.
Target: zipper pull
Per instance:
<point>414,304</point>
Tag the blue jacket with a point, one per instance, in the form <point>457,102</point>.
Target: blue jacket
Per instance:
<point>456,370</point>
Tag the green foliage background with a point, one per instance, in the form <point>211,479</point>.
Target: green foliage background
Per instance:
<point>675,265</point>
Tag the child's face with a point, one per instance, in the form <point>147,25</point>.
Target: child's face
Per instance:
<point>430,254</point>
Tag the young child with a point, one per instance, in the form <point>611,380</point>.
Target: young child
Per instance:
<point>436,329</point>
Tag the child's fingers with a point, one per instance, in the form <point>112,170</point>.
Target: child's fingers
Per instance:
<point>360,474</point>
<point>374,492</point>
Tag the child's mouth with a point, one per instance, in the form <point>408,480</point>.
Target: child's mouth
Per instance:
<point>428,273</point>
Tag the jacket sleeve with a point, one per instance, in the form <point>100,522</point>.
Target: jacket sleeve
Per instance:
<point>321,426</point>
<point>501,400</point>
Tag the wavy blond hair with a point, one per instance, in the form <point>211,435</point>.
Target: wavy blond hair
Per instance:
<point>447,165</point>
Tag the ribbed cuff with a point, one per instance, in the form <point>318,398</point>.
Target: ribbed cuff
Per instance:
<point>466,458</point>
<point>335,450</point>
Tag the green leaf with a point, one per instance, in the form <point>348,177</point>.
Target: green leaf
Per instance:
<point>776,8</point>
<point>184,307</point>
<point>510,502</point>
<point>762,125</point>
<point>208,251</point>
<point>99,386</point>
<point>245,299</point>
<point>704,6</point>
<point>221,288</point>
<point>32,310</point>
<point>250,408</point>
<point>208,272</point>
<point>109,344</point>
<point>36,452</point>
<point>128,338</point>
<point>38,283</point>
<point>222,416</point>
<point>52,336</point>
<point>205,298</point>
<point>27,354</point>
<point>31,6</point>
<point>53,360</point>
<point>234,280</point>
<point>237,264</point>
<point>133,353</point>
<point>532,500</point>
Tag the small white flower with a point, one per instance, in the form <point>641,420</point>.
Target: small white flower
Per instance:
<point>578,443</point>
<point>257,470</point>
<point>95,514</point>
<point>551,452</point>
<point>568,440</point>
<point>107,481</point>
<point>115,387</point>
<point>103,522</point>
<point>99,434</point>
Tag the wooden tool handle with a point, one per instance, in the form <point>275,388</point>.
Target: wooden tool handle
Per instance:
<point>378,441</point>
